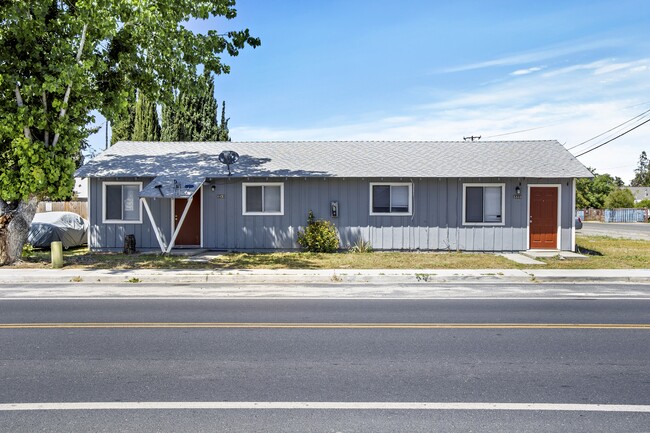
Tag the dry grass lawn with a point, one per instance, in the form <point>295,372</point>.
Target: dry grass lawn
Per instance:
<point>602,252</point>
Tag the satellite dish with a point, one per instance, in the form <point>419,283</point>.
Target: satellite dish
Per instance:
<point>228,157</point>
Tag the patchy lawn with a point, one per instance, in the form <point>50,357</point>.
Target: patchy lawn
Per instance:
<point>603,253</point>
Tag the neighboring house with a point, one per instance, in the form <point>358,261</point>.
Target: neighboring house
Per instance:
<point>640,193</point>
<point>470,196</point>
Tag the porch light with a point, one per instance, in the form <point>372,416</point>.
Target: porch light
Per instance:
<point>517,190</point>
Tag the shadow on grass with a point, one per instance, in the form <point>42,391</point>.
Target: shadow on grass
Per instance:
<point>586,251</point>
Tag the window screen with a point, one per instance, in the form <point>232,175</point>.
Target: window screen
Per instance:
<point>272,199</point>
<point>492,204</point>
<point>131,205</point>
<point>399,199</point>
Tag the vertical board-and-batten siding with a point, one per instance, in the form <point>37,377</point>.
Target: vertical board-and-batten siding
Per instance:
<point>436,222</point>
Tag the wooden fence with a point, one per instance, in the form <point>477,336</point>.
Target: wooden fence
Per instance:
<point>78,207</point>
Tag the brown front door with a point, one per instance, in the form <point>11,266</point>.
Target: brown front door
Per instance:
<point>190,233</point>
<point>543,217</point>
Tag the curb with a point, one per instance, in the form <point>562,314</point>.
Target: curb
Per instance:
<point>329,276</point>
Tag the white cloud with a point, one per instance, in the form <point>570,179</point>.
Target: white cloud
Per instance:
<point>570,104</point>
<point>526,71</point>
<point>536,56</point>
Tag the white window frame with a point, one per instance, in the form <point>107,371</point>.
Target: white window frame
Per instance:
<point>503,204</point>
<point>262,184</point>
<point>391,184</point>
<point>107,221</point>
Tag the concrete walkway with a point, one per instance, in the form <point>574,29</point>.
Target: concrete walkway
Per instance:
<point>9,276</point>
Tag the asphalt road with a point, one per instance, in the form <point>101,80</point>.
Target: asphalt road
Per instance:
<point>638,231</point>
<point>337,352</point>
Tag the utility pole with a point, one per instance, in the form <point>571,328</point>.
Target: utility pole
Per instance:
<point>106,142</point>
<point>472,138</point>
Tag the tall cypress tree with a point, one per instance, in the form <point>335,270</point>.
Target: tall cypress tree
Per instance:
<point>224,133</point>
<point>146,127</point>
<point>122,126</point>
<point>193,114</point>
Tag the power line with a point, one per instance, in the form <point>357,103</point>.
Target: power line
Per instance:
<point>612,139</point>
<point>523,130</point>
<point>609,130</point>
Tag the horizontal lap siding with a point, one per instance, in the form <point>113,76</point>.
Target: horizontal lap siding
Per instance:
<point>436,223</point>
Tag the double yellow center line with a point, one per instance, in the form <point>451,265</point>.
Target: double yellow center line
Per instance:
<point>289,325</point>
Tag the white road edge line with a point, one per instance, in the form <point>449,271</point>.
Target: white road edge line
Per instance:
<point>260,405</point>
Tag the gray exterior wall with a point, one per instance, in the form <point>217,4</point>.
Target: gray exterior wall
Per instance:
<point>436,222</point>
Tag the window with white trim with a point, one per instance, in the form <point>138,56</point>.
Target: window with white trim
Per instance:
<point>121,203</point>
<point>390,199</point>
<point>263,198</point>
<point>483,203</point>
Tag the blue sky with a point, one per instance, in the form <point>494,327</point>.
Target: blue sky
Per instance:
<point>434,70</point>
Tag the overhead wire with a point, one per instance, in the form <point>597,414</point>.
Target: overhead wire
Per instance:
<point>610,130</point>
<point>612,139</point>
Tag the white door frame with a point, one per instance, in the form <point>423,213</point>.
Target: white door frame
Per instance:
<point>173,208</point>
<point>559,212</point>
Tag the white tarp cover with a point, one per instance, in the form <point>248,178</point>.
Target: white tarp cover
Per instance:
<point>172,187</point>
<point>67,227</point>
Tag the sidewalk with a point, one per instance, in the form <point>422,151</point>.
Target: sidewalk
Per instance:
<point>323,276</point>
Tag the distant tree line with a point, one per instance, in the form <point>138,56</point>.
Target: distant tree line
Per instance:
<point>191,116</point>
<point>606,192</point>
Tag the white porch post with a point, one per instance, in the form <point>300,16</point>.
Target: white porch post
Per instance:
<point>155,227</point>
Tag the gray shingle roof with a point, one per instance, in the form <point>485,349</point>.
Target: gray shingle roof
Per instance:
<point>542,159</point>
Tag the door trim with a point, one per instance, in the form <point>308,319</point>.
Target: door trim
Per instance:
<point>559,212</point>
<point>173,208</point>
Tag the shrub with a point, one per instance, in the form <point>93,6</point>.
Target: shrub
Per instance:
<point>645,203</point>
<point>361,246</point>
<point>319,236</point>
<point>619,198</point>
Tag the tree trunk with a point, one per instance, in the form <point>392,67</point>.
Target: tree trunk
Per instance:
<point>15,219</point>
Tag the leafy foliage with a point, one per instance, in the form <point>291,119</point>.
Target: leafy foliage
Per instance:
<point>319,236</point>
<point>620,198</point>
<point>361,246</point>
<point>591,193</point>
<point>61,60</point>
<point>645,203</point>
<point>642,172</point>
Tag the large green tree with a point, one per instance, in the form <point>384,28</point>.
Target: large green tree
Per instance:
<point>592,193</point>
<point>62,59</point>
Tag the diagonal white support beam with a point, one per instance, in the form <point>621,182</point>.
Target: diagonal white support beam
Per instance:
<point>180,223</point>
<point>156,229</point>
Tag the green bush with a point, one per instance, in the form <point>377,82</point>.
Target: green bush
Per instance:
<point>319,236</point>
<point>643,203</point>
<point>619,198</point>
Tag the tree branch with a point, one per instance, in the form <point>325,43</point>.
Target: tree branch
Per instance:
<point>47,133</point>
<point>19,101</point>
<point>66,97</point>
